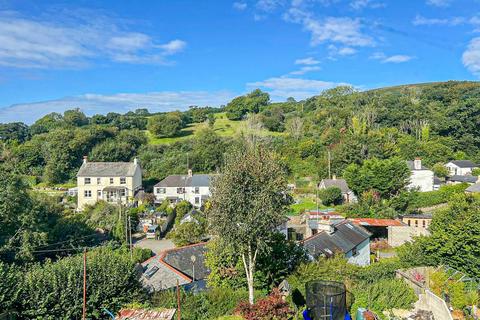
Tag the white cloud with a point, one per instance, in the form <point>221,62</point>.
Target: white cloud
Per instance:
<point>269,5</point>
<point>454,21</point>
<point>281,88</point>
<point>398,58</point>
<point>121,103</point>
<point>471,56</point>
<point>240,6</point>
<point>439,3</point>
<point>305,69</point>
<point>361,4</point>
<point>307,61</point>
<point>342,30</point>
<point>34,43</point>
<point>334,51</point>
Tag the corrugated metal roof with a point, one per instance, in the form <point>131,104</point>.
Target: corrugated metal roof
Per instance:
<point>371,222</point>
<point>142,314</point>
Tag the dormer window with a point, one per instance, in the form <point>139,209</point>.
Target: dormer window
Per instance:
<point>123,180</point>
<point>87,180</point>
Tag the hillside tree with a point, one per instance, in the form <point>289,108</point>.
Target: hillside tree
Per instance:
<point>249,201</point>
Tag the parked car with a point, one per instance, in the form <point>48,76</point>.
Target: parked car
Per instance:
<point>152,232</point>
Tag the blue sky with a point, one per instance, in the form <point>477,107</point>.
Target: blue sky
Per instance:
<point>114,56</point>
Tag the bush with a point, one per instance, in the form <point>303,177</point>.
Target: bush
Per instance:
<point>165,125</point>
<point>271,307</point>
<point>331,196</point>
<point>202,306</point>
<point>383,295</point>
<point>54,290</point>
<point>432,198</point>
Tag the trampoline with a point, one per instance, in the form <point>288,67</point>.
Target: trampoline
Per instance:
<point>326,300</point>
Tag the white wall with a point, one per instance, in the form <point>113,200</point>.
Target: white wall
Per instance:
<point>421,179</point>
<point>398,235</point>
<point>363,254</point>
<point>189,194</point>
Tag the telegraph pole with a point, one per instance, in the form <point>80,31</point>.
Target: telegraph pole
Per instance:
<point>329,165</point>
<point>84,316</point>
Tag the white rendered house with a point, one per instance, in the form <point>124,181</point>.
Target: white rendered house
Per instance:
<point>194,188</point>
<point>421,178</point>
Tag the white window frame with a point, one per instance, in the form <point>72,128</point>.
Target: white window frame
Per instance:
<point>111,181</point>
<point>99,180</point>
<point>123,180</point>
<point>87,193</point>
<point>87,180</point>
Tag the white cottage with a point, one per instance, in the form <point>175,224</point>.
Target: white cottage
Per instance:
<point>194,188</point>
<point>115,182</point>
<point>460,167</point>
<point>421,178</point>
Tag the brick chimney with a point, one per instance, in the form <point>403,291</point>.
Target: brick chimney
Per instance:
<point>417,164</point>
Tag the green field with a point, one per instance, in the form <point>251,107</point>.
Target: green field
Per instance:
<point>223,127</point>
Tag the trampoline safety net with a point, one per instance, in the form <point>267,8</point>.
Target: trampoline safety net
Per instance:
<point>326,300</point>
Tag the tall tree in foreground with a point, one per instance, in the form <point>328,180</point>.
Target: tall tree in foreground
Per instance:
<point>249,201</point>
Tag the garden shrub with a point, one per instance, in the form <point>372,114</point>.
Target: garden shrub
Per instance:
<point>383,295</point>
<point>331,196</point>
<point>271,307</point>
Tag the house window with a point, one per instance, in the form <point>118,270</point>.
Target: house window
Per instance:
<point>161,190</point>
<point>424,223</point>
<point>197,200</point>
<point>408,222</point>
<point>416,223</point>
<point>123,180</point>
<point>99,193</point>
<point>197,190</point>
<point>180,190</point>
<point>99,180</point>
<point>354,252</point>
<point>122,193</point>
<point>87,180</point>
<point>87,193</point>
<point>111,180</point>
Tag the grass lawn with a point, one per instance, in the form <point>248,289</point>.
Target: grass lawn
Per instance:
<point>223,127</point>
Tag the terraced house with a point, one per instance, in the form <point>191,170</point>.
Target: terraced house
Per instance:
<point>114,182</point>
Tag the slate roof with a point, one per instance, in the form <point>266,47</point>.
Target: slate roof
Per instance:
<point>163,278</point>
<point>162,271</point>
<point>437,181</point>
<point>473,188</point>
<point>467,179</point>
<point>410,165</point>
<point>180,259</point>
<point>464,163</point>
<point>346,236</point>
<point>419,216</point>
<point>196,180</point>
<point>339,183</point>
<point>107,169</point>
